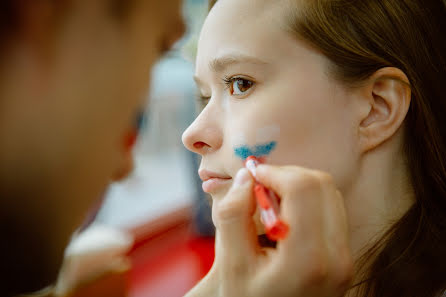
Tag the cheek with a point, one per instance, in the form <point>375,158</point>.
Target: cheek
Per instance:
<point>254,134</point>
<point>312,127</point>
<point>316,132</point>
<point>252,139</point>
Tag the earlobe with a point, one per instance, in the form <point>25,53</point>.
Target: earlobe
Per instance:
<point>388,95</point>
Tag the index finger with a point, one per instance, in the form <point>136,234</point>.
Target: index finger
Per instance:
<point>281,179</point>
<point>300,191</point>
<point>311,206</point>
<point>235,236</point>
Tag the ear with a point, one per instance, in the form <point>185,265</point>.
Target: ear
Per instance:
<point>387,96</point>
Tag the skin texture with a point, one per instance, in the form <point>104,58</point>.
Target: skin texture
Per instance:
<point>68,99</point>
<point>344,145</point>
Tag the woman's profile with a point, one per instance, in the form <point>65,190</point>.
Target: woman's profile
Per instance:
<point>352,95</point>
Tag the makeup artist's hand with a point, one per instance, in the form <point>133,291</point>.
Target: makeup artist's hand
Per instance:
<point>313,261</point>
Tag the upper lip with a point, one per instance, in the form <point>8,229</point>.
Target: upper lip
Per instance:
<point>206,175</point>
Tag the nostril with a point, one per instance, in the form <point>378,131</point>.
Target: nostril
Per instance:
<point>199,145</point>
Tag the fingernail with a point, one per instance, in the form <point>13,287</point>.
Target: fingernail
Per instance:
<point>241,177</point>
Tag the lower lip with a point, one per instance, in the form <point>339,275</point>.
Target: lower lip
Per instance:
<point>213,184</point>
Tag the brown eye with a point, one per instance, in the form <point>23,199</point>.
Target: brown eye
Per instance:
<point>240,86</point>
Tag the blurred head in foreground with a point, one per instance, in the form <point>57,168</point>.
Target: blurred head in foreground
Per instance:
<point>73,77</point>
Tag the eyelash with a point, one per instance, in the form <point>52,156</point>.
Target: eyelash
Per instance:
<point>228,81</point>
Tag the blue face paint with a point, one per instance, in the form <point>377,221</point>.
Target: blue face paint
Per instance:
<point>258,151</point>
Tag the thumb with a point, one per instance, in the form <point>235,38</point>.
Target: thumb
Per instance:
<point>236,241</point>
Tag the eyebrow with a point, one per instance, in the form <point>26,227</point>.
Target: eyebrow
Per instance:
<point>220,64</point>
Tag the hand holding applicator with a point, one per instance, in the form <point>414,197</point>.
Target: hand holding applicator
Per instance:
<point>268,203</point>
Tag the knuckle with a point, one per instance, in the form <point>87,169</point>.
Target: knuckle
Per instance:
<point>301,179</point>
<point>324,178</point>
<point>316,274</point>
<point>304,183</point>
<point>316,269</point>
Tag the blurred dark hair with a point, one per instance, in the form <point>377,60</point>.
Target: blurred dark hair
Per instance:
<point>11,14</point>
<point>8,18</point>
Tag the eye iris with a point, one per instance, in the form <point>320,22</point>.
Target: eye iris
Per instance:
<point>243,85</point>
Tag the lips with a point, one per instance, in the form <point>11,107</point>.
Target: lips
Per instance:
<point>213,181</point>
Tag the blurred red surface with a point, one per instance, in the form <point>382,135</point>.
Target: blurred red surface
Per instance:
<point>169,261</point>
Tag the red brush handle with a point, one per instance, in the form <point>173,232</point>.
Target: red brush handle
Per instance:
<point>275,228</point>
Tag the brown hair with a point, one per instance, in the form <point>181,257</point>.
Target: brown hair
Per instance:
<point>360,37</point>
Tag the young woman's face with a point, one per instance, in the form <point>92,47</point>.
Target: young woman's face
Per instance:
<point>266,93</point>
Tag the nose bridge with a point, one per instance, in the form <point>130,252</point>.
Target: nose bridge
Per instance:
<point>205,133</point>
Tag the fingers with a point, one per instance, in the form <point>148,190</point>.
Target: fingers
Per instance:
<point>301,205</point>
<point>284,179</point>
<point>314,260</point>
<point>317,245</point>
<point>236,242</point>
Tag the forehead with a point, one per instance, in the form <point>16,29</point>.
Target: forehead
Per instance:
<point>248,27</point>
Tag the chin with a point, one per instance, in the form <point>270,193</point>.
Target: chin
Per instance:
<point>220,194</point>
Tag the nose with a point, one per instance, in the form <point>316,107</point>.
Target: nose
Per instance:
<point>204,135</point>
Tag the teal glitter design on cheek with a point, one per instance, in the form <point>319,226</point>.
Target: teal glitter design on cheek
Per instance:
<point>243,152</point>
<point>258,151</point>
<point>264,150</point>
